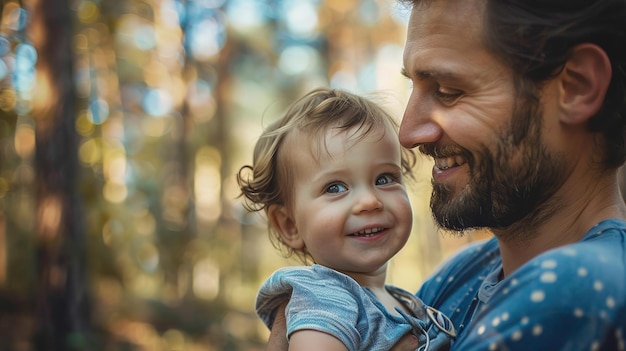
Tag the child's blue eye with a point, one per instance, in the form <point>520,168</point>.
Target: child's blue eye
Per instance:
<point>336,188</point>
<point>384,180</point>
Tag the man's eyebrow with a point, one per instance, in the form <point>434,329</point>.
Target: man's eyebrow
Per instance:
<point>404,72</point>
<point>431,75</point>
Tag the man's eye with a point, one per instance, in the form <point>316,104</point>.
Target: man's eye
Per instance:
<point>447,96</point>
<point>336,188</point>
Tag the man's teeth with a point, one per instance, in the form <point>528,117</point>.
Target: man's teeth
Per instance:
<point>449,162</point>
<point>369,232</point>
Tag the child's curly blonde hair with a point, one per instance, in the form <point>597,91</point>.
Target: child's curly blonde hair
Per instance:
<point>313,114</point>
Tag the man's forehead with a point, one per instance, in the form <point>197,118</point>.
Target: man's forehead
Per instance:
<point>441,30</point>
<point>465,14</point>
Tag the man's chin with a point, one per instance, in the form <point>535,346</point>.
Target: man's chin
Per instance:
<point>458,213</point>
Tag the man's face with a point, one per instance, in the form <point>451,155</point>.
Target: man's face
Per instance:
<point>463,111</point>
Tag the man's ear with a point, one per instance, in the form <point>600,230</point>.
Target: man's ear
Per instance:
<point>583,83</point>
<point>284,224</point>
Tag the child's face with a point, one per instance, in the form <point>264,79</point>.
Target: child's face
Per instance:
<point>350,207</point>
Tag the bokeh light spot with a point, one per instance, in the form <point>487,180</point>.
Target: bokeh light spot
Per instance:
<point>144,37</point>
<point>26,56</point>
<point>114,192</point>
<point>157,102</point>
<point>206,282</point>
<point>207,38</point>
<point>90,152</point>
<point>24,140</point>
<point>301,17</point>
<point>98,111</point>
<point>88,11</point>
<point>84,126</point>
<point>298,59</point>
<point>244,14</point>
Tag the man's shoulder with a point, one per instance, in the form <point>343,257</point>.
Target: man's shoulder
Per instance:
<point>591,270</point>
<point>602,252</point>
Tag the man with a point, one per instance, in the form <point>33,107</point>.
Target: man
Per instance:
<point>522,105</point>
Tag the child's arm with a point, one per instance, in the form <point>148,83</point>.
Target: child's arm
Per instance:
<point>302,340</point>
<point>312,340</point>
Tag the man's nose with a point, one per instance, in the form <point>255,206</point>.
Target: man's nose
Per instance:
<point>418,124</point>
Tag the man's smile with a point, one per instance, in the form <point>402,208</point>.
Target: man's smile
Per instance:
<point>444,163</point>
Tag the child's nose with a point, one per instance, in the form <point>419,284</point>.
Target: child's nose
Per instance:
<point>367,201</point>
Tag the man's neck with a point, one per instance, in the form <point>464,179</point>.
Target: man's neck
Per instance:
<point>571,214</point>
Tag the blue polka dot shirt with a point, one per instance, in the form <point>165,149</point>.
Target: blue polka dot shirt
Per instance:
<point>569,298</point>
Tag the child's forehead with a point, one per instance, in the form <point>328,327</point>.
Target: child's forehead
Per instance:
<point>328,143</point>
<point>318,140</point>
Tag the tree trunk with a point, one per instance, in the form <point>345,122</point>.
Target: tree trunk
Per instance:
<point>62,312</point>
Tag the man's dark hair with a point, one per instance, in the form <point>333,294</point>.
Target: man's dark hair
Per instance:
<point>535,37</point>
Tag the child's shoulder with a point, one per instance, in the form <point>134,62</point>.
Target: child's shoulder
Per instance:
<point>314,272</point>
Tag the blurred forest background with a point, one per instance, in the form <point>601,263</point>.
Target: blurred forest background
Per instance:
<point>122,126</point>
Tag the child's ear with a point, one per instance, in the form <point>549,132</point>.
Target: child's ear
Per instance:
<point>282,221</point>
<point>584,81</point>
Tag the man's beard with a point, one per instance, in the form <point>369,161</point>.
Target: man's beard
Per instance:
<point>507,182</point>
